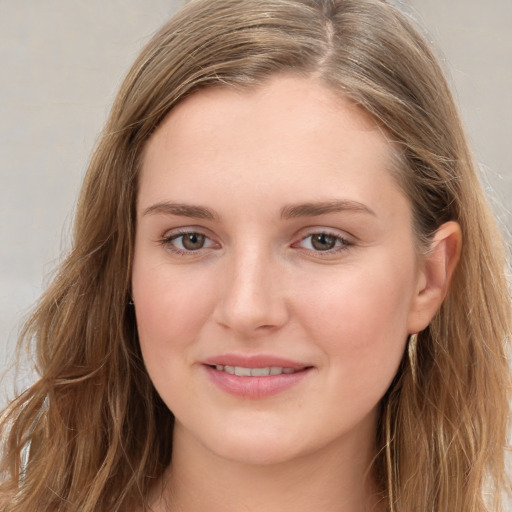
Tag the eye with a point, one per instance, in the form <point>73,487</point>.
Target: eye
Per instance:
<point>324,242</point>
<point>187,242</point>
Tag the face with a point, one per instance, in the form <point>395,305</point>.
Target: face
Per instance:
<point>275,271</point>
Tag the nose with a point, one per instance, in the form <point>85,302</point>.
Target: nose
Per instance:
<point>252,299</point>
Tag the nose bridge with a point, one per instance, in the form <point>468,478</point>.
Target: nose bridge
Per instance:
<point>253,298</point>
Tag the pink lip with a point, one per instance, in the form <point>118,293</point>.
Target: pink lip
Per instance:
<point>254,387</point>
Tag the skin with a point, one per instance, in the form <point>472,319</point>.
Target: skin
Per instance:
<point>258,285</point>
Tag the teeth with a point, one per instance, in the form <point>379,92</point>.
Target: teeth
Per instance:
<point>242,372</point>
<point>254,372</point>
<point>260,372</point>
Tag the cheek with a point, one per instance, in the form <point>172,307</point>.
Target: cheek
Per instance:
<point>359,318</point>
<point>169,312</point>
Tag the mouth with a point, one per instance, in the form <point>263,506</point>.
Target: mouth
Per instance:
<point>243,371</point>
<point>255,377</point>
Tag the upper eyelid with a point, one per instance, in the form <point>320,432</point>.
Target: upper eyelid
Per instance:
<point>325,231</point>
<point>345,237</point>
<point>177,234</point>
<point>301,234</point>
<point>336,232</point>
<point>344,240</point>
<point>169,233</point>
<point>167,242</point>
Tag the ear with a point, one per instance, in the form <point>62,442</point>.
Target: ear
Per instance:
<point>435,274</point>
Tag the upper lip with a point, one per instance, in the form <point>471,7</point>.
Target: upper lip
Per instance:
<point>254,361</point>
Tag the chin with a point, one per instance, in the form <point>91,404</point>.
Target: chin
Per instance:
<point>254,446</point>
<point>258,453</point>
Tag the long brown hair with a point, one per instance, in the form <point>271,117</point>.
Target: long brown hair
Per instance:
<point>96,433</point>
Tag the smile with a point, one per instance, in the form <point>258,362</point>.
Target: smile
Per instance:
<point>258,378</point>
<point>242,371</point>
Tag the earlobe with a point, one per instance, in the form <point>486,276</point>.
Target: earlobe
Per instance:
<point>437,270</point>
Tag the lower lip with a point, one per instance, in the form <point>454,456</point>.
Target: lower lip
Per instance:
<point>255,387</point>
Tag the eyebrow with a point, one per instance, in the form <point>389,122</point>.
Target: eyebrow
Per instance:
<point>324,207</point>
<point>181,210</point>
<point>288,212</point>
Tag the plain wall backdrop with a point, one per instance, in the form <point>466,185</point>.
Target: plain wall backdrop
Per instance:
<point>61,63</point>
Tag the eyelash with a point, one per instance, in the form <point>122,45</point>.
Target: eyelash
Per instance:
<point>167,242</point>
<point>342,244</point>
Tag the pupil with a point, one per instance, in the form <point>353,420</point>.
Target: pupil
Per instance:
<point>193,241</point>
<point>323,242</point>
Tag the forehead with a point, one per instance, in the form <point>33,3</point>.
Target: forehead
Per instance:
<point>290,136</point>
<point>291,97</point>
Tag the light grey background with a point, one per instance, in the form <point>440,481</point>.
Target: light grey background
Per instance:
<point>62,61</point>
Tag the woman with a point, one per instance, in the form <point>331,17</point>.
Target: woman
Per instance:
<point>286,290</point>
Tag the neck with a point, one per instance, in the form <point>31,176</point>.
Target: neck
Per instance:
<point>335,478</point>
